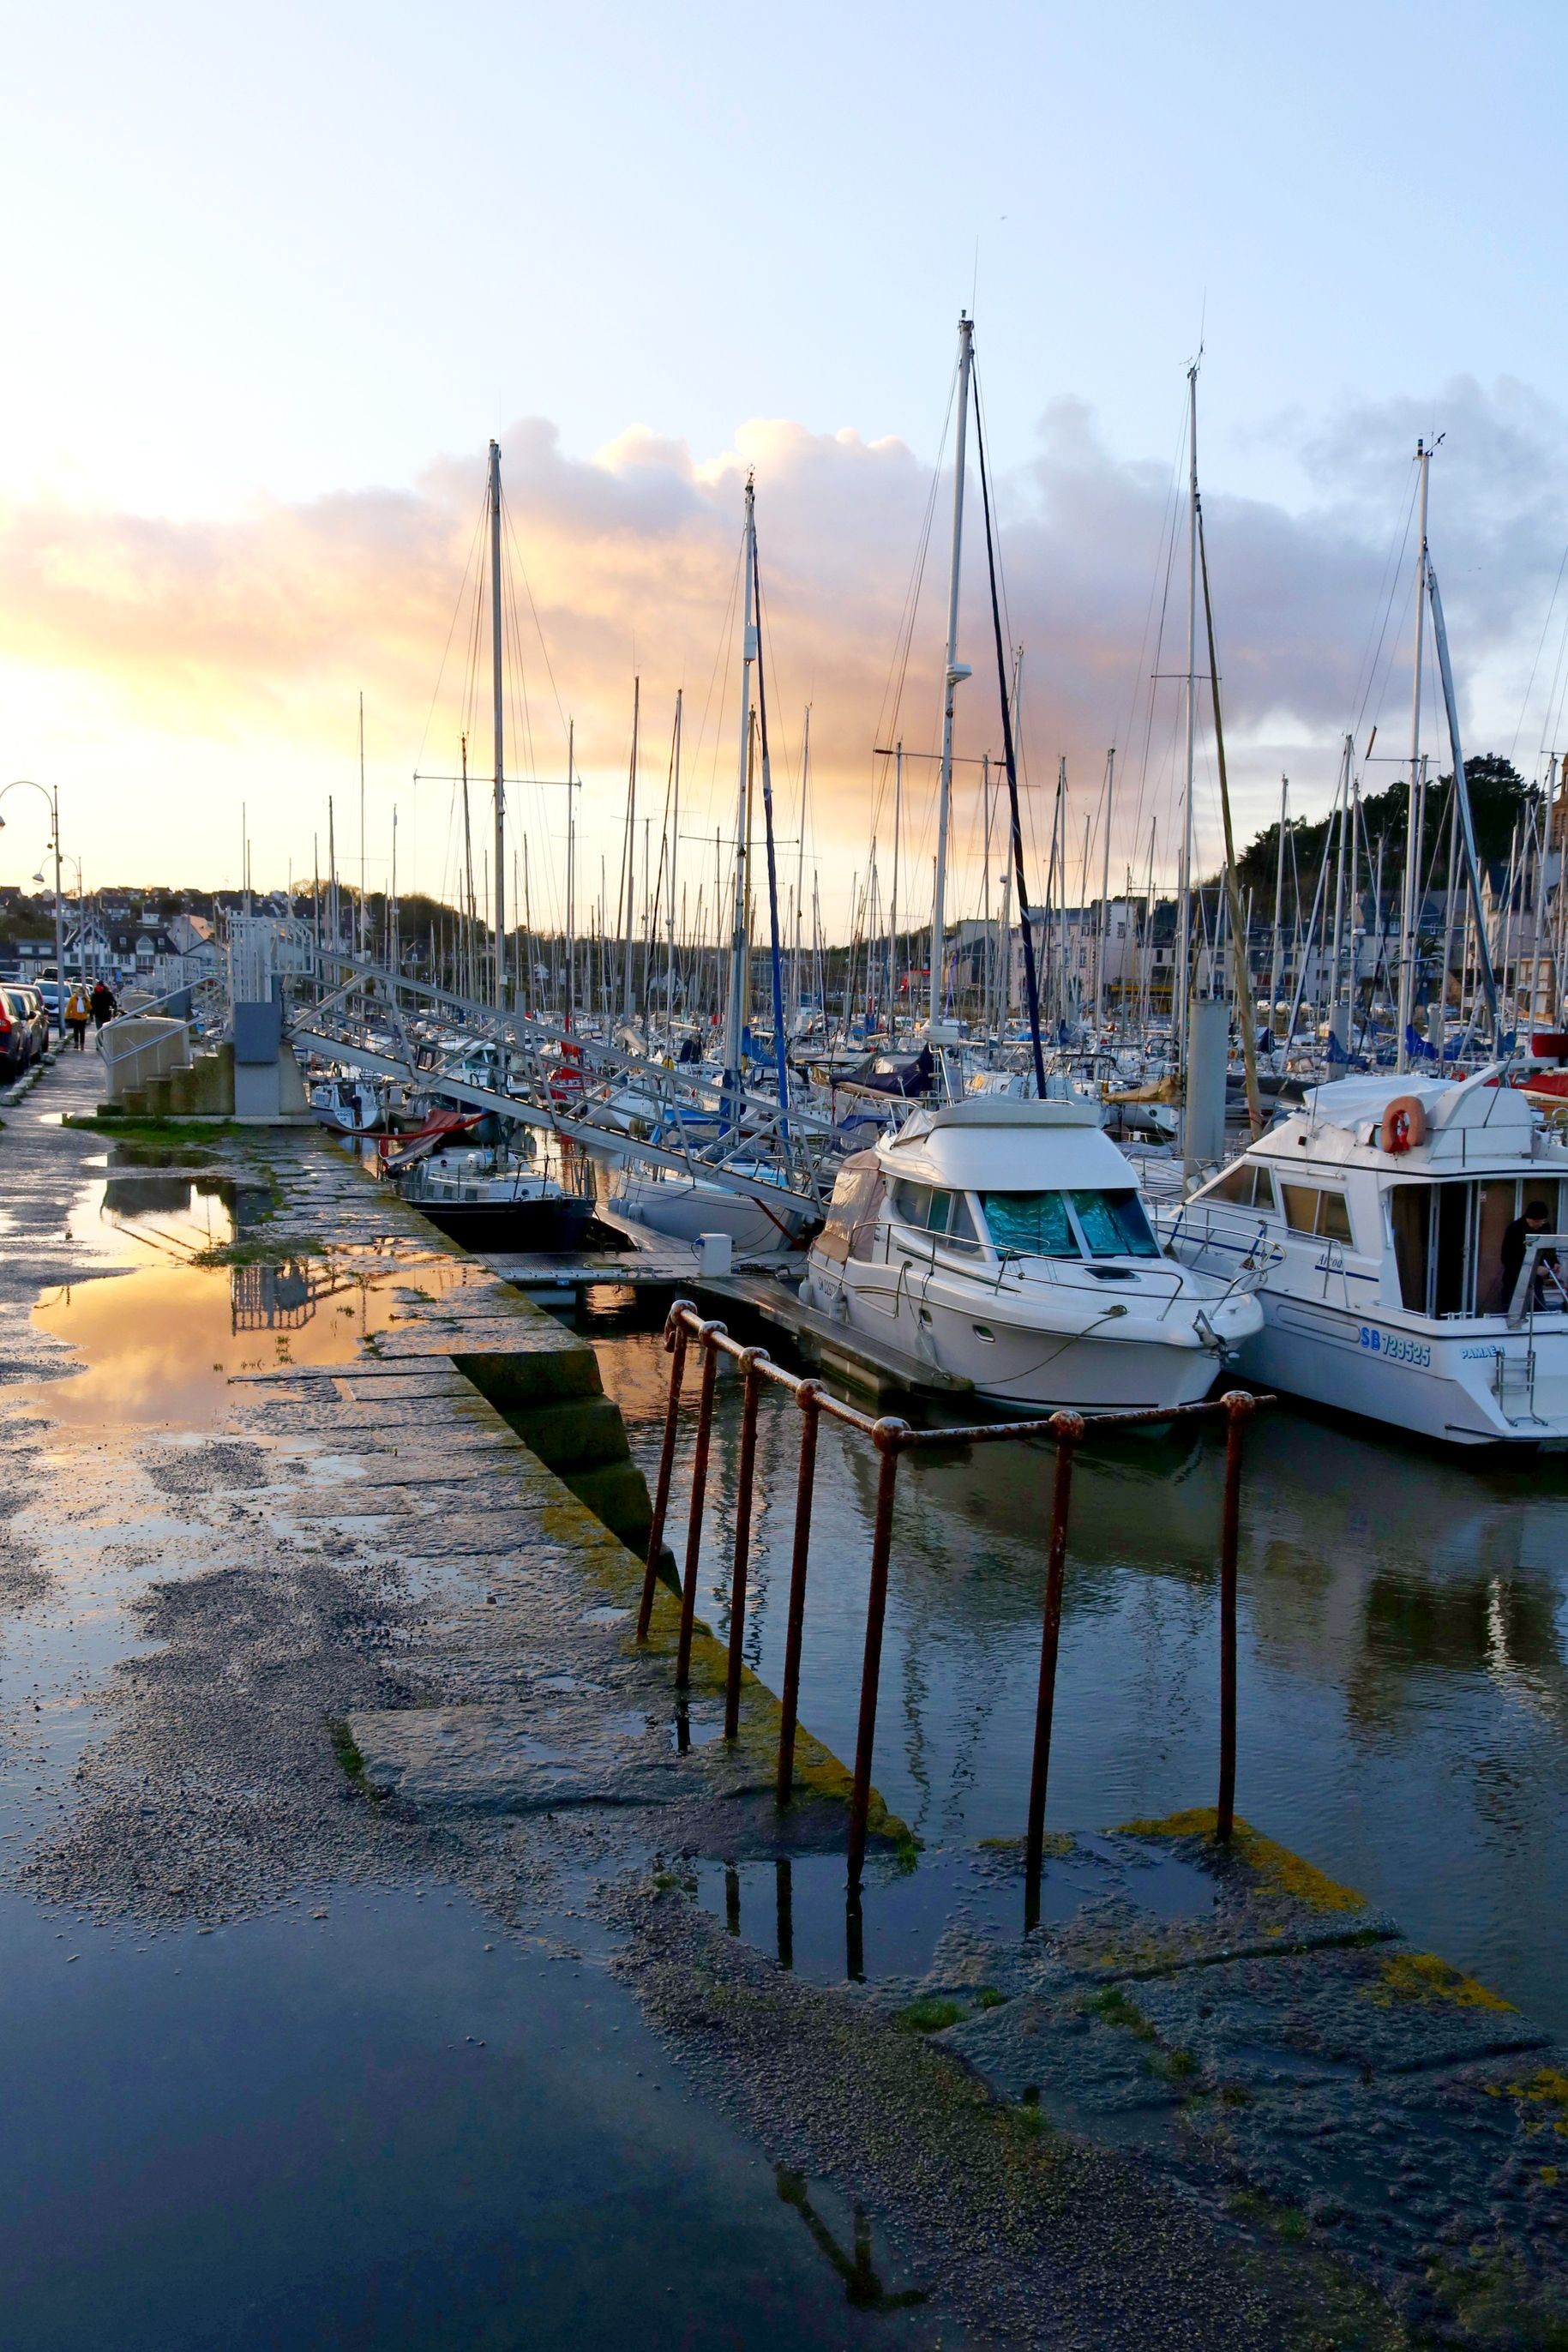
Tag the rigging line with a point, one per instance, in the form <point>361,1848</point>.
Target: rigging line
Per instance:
<point>893,684</point>
<point>1393,569</point>
<point>1141,802</point>
<point>1535,665</point>
<point>457,606</point>
<point>900,662</point>
<point>721,648</point>
<point>527,591</point>
<point>1031,978</point>
<point>1142,686</point>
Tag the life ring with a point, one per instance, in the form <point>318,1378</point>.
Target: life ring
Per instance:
<point>1403,1125</point>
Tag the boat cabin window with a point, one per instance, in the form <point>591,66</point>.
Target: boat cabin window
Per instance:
<point>1248,1183</point>
<point>1070,1224</point>
<point>1308,1210</point>
<point>1033,1224</point>
<point>932,1211</point>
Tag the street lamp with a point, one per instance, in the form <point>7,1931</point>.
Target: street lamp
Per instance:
<point>25,784</point>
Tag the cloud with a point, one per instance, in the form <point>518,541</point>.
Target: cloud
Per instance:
<point>261,628</point>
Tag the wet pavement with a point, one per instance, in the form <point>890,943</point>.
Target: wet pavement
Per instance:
<point>295,2056</point>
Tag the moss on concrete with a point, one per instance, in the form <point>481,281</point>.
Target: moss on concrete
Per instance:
<point>1423,1977</point>
<point>1274,1867</point>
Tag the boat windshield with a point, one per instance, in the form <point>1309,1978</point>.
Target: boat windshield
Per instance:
<point>1070,1224</point>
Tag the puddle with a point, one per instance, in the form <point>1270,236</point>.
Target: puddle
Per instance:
<point>148,1220</point>
<point>798,1909</point>
<point>162,1345</point>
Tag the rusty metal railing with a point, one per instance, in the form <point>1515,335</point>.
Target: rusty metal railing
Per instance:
<point>892,1438</point>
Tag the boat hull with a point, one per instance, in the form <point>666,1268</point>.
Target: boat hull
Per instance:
<point>523,1225</point>
<point>683,1210</point>
<point>1442,1388</point>
<point>1020,1365</point>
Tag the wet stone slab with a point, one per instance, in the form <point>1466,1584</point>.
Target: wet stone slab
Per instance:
<point>1270,2039</point>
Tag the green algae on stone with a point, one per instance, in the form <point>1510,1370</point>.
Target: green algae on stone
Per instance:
<point>1276,1868</point>
<point>1423,1977</point>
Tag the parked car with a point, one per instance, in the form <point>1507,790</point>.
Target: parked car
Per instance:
<point>42,1018</point>
<point>17,1042</point>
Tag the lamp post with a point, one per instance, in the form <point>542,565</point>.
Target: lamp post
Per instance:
<point>67,859</point>
<point>25,784</point>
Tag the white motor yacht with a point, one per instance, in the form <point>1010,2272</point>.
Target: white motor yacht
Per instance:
<point>1004,1241</point>
<point>1379,1215</point>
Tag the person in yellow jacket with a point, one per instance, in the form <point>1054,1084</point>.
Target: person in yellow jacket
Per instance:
<point>78,1013</point>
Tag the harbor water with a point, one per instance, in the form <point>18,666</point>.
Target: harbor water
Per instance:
<point>1402,1673</point>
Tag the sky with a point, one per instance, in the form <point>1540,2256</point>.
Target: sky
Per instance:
<point>274,277</point>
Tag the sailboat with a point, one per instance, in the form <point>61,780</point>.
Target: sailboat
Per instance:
<point>684,1204</point>
<point>1003,1239</point>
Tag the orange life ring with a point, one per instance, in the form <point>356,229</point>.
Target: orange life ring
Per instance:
<point>1403,1125</point>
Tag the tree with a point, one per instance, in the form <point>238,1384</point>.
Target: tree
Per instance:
<point>1497,797</point>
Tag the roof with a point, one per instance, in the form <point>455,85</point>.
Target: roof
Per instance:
<point>1471,1122</point>
<point>992,1143</point>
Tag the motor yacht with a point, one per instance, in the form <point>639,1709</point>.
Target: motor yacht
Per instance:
<point>1378,1216</point>
<point>1004,1241</point>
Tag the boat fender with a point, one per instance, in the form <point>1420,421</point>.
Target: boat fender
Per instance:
<point>1403,1125</point>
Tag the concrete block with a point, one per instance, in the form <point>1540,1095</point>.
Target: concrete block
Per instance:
<point>579,1432</point>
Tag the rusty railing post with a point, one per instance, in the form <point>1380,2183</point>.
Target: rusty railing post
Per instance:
<point>1068,1430</point>
<point>744,1478</point>
<point>889,1435</point>
<point>705,1336</point>
<point>1239,1410</point>
<point>675,1341</point>
<point>808,1396</point>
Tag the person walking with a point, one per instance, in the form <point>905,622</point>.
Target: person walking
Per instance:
<point>78,1013</point>
<point>104,1007</point>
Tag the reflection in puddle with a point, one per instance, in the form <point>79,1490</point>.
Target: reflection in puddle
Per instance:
<point>161,1346</point>
<point>802,1910</point>
<point>854,2263</point>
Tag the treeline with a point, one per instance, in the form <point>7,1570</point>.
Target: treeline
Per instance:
<point>1498,795</point>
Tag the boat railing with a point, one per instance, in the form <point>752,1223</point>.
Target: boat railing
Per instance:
<point>1020,1266</point>
<point>1237,1230</point>
<point>1542,1287</point>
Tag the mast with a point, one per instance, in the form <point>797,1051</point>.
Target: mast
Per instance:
<point>674,838</point>
<point>800,855</point>
<point>1184,886</point>
<point>332,878</point>
<point>571,877</point>
<point>495,683</point>
<point>734,1009</point>
<point>1341,803</point>
<point>1412,844</point>
<point>780,1051</point>
<point>362,828</point>
<point>631,853</point>
<point>1279,907</point>
<point>469,919</point>
<point>1008,703</point>
<point>954,672</point>
<point>893,894</point>
<point>1105,897</point>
